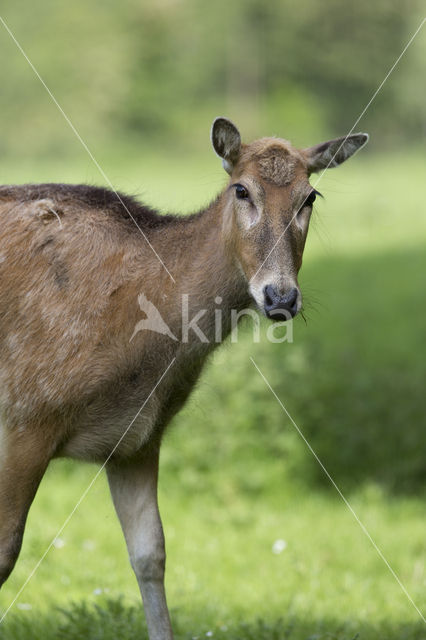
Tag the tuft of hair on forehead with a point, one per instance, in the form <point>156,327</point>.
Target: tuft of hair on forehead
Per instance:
<point>275,158</point>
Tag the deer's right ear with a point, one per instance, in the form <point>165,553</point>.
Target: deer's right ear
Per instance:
<point>226,141</point>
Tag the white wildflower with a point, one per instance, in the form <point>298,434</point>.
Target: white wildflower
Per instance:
<point>58,543</point>
<point>279,546</point>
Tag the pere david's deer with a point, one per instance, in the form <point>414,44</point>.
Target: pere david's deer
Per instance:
<point>77,380</point>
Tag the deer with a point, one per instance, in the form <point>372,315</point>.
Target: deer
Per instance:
<point>77,380</point>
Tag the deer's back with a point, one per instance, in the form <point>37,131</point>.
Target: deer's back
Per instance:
<point>68,261</point>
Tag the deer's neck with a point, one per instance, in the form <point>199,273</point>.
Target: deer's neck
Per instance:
<point>212,260</point>
<point>207,275</point>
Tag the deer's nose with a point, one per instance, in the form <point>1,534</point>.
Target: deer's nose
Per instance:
<point>280,307</point>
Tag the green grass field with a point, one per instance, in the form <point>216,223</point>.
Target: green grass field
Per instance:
<point>236,477</point>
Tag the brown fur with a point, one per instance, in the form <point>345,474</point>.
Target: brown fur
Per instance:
<point>72,265</point>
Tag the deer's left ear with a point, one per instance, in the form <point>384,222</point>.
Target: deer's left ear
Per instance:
<point>334,152</point>
<point>226,141</point>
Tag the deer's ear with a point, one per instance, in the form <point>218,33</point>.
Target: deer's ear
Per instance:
<point>226,141</point>
<point>334,152</point>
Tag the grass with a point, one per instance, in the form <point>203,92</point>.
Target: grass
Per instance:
<point>236,477</point>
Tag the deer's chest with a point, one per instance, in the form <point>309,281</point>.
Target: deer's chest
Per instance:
<point>124,421</point>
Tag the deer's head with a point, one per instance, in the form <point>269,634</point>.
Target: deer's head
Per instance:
<point>268,204</point>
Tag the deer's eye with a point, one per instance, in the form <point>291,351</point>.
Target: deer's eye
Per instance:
<point>241,192</point>
<point>310,199</point>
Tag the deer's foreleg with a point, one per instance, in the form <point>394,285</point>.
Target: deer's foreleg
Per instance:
<point>134,492</point>
<point>23,461</point>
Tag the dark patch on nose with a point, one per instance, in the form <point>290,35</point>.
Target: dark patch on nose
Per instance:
<point>280,307</point>
<point>265,238</point>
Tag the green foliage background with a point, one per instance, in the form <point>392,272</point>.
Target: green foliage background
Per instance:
<point>141,82</point>
<point>144,71</point>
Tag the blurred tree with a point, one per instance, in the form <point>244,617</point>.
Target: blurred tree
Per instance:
<point>151,68</point>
